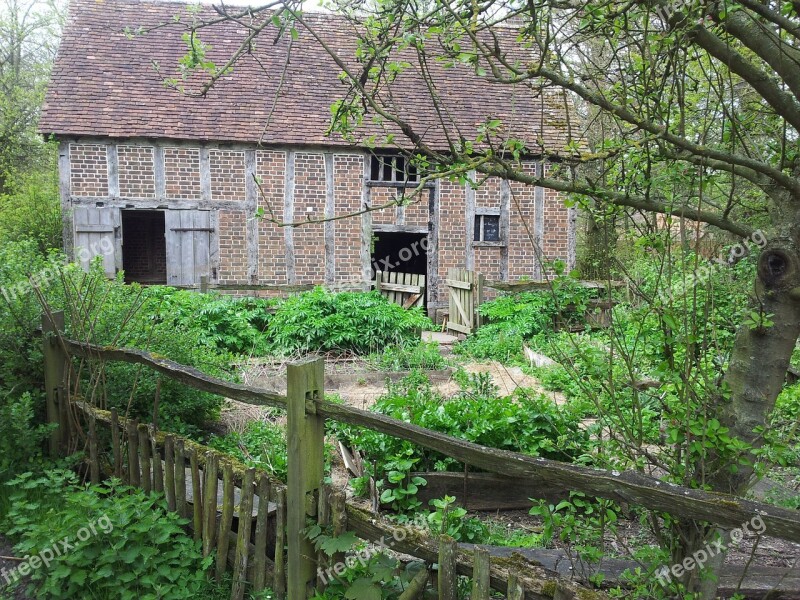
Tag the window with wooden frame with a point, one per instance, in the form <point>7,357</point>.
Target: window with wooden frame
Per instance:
<point>487,227</point>
<point>392,168</point>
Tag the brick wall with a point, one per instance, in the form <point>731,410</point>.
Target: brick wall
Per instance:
<point>232,247</point>
<point>271,171</point>
<point>452,237</point>
<point>378,197</point>
<point>89,178</point>
<point>348,173</point>
<point>136,172</point>
<point>556,225</point>
<point>227,174</point>
<point>521,255</point>
<point>88,170</point>
<point>182,173</point>
<point>417,212</point>
<point>309,193</point>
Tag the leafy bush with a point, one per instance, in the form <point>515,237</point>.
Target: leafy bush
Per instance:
<point>513,319</point>
<point>261,445</point>
<point>125,544</point>
<point>360,322</point>
<point>31,208</point>
<point>524,422</point>
<point>233,325</point>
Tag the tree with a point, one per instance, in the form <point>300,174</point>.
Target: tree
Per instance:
<point>701,108</point>
<point>29,32</point>
<point>704,106</point>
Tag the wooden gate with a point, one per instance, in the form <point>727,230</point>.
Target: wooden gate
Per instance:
<point>405,289</point>
<point>465,289</point>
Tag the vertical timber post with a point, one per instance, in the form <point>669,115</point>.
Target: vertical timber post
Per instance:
<point>305,432</point>
<point>55,368</point>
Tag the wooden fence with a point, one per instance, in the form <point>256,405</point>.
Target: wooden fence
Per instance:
<point>189,476</point>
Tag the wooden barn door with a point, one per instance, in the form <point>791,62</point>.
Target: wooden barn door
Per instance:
<point>188,235</point>
<point>98,232</point>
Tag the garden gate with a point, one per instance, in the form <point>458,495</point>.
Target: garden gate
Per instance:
<point>465,290</point>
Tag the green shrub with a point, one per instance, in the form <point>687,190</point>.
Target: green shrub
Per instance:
<point>525,422</point>
<point>261,445</point>
<point>31,208</point>
<point>512,319</point>
<point>360,322</point>
<point>125,544</point>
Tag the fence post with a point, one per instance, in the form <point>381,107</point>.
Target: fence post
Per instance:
<point>305,433</point>
<point>448,576</point>
<point>480,574</point>
<point>203,284</point>
<point>55,368</point>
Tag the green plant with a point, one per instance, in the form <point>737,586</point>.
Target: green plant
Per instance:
<point>514,318</point>
<point>398,357</point>
<point>124,544</point>
<point>453,521</point>
<point>366,574</point>
<point>360,322</point>
<point>21,442</point>
<point>581,521</point>
<point>400,488</point>
<point>523,422</point>
<point>262,444</point>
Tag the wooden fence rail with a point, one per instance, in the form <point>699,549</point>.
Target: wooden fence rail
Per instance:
<point>178,466</point>
<point>629,486</point>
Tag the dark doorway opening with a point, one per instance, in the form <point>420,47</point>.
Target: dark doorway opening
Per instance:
<point>144,247</point>
<point>400,252</point>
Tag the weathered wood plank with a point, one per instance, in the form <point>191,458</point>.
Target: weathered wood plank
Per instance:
<point>305,450</point>
<point>158,472</point>
<point>55,363</point>
<point>629,486</point>
<point>116,447</point>
<point>133,453</point>
<point>210,503</point>
<point>448,572</point>
<point>480,575</point>
<point>180,478</point>
<point>243,537</point>
<point>537,580</point>
<point>226,521</point>
<point>144,453</point>
<point>197,496</point>
<point>186,375</point>
<point>279,579</point>
<point>261,535</point>
<point>401,288</point>
<point>169,471</point>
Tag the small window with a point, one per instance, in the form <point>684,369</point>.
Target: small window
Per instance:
<point>392,168</point>
<point>487,228</point>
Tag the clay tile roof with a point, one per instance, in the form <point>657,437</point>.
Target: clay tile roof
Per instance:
<point>109,83</point>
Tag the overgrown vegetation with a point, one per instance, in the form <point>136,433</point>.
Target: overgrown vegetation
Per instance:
<point>123,543</point>
<point>524,422</point>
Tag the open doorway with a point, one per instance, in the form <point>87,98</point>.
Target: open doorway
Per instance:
<point>400,252</point>
<point>144,247</point>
